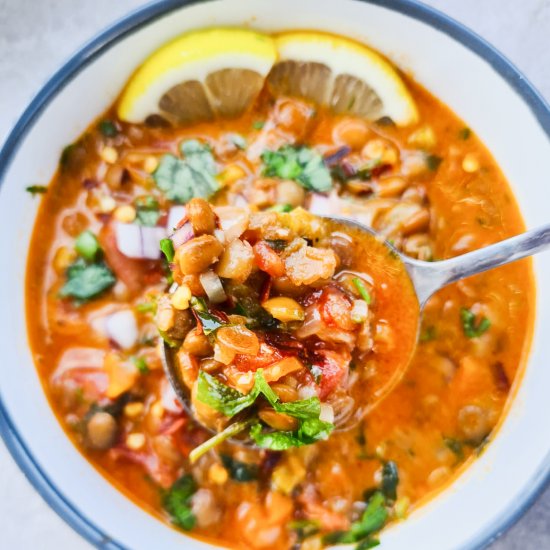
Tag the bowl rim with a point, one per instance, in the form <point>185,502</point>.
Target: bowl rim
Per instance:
<point>99,44</point>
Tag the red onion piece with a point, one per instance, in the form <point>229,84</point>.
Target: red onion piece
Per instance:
<point>182,235</point>
<point>121,328</point>
<point>213,287</point>
<point>138,242</point>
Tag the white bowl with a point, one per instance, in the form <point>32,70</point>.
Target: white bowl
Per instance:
<point>459,68</point>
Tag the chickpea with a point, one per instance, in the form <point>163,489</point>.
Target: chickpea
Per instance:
<point>289,192</point>
<point>391,187</point>
<point>201,216</point>
<point>237,261</point>
<point>278,421</point>
<point>380,149</point>
<point>197,344</point>
<point>198,254</point>
<point>101,431</point>
<point>474,422</point>
<point>352,132</point>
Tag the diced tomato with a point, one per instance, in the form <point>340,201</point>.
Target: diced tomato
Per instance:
<point>268,260</point>
<point>135,274</point>
<point>333,366</point>
<point>336,309</point>
<point>267,355</point>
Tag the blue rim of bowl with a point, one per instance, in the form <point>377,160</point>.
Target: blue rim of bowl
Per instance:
<point>102,42</point>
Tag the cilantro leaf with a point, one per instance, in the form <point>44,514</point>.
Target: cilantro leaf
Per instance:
<point>210,323</point>
<point>472,328</point>
<point>193,176</point>
<point>86,281</point>
<point>310,431</point>
<point>301,164</point>
<point>239,471</point>
<point>167,247</point>
<point>108,128</point>
<point>177,502</point>
<point>147,211</point>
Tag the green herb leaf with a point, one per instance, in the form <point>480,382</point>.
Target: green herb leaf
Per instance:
<point>249,303</point>
<point>140,364</point>
<point>471,327</point>
<point>171,342</point>
<point>147,211</point>
<point>433,162</point>
<point>455,446</point>
<point>36,189</point>
<point>428,334</point>
<point>146,307</point>
<point>362,289</point>
<point>239,471</point>
<point>108,128</point>
<point>193,176</point>
<point>301,164</point>
<point>464,133</point>
<point>220,437</point>
<point>86,281</point>
<point>177,502</point>
<point>281,208</point>
<point>305,528</point>
<point>310,431</point>
<point>390,480</point>
<point>258,124</point>
<point>167,247</point>
<point>87,245</point>
<point>367,543</point>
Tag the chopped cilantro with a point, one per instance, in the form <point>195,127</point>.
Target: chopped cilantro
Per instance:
<point>281,208</point>
<point>362,289</point>
<point>86,281</point>
<point>140,364</point>
<point>464,133</point>
<point>471,327</point>
<point>108,128</point>
<point>36,189</point>
<point>428,334</point>
<point>192,176</point>
<point>147,211</point>
<point>455,446</point>
<point>390,480</point>
<point>301,164</point>
<point>258,124</point>
<point>177,502</point>
<point>239,471</point>
<point>304,528</point>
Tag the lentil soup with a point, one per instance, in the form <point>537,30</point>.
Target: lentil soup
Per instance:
<point>277,328</point>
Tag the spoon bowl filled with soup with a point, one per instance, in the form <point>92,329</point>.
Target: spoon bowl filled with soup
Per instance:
<point>197,220</point>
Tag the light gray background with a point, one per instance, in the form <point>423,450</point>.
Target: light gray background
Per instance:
<point>36,36</point>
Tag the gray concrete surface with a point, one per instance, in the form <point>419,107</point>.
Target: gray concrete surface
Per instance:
<point>36,36</point>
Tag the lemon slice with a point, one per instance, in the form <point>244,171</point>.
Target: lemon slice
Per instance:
<point>340,73</point>
<point>200,75</point>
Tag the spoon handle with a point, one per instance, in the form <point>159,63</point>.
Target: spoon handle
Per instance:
<point>428,277</point>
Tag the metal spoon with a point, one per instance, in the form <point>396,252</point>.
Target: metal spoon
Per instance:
<point>427,278</point>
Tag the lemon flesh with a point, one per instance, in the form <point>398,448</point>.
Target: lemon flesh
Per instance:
<point>342,74</point>
<point>200,75</point>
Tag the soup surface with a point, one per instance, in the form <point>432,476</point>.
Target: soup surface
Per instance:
<point>98,292</point>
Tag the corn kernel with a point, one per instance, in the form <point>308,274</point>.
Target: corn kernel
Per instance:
<point>63,258</point>
<point>470,163</point>
<point>217,474</point>
<point>180,298</point>
<point>106,204</point>
<point>150,164</point>
<point>157,410</point>
<point>423,137</point>
<point>401,507</point>
<point>135,441</point>
<point>133,410</point>
<point>109,155</point>
<point>287,474</point>
<point>125,213</point>
<point>284,309</point>
<point>231,174</point>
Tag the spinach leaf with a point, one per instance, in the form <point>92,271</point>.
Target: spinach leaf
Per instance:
<point>193,176</point>
<point>177,502</point>
<point>36,189</point>
<point>372,520</point>
<point>471,328</point>
<point>239,471</point>
<point>147,211</point>
<point>390,480</point>
<point>86,281</point>
<point>301,164</point>
<point>87,245</point>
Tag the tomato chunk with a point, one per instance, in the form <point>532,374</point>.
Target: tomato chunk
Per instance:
<point>268,260</point>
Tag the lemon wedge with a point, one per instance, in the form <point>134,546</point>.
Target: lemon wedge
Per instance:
<point>343,74</point>
<point>200,75</point>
